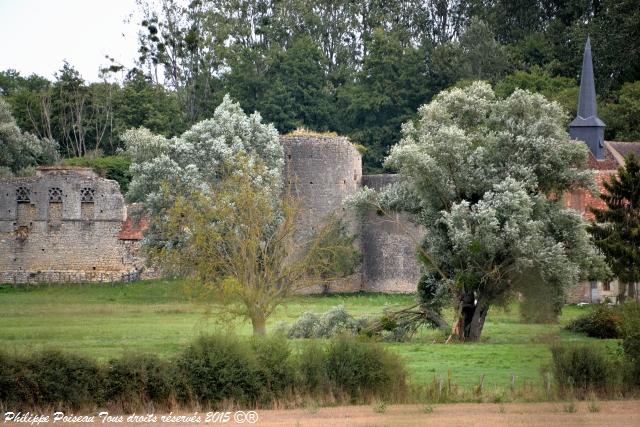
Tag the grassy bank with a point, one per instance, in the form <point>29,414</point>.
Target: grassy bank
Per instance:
<point>105,321</point>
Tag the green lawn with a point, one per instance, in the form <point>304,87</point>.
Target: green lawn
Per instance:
<point>106,320</point>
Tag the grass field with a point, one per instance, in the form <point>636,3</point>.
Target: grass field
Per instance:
<point>106,320</point>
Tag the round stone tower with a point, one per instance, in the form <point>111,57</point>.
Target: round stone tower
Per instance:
<point>322,171</point>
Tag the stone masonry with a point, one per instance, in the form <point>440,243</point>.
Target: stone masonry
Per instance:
<point>64,225</point>
<point>69,225</point>
<point>322,172</point>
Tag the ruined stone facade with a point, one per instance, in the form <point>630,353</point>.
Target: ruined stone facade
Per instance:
<point>65,225</point>
<point>69,225</point>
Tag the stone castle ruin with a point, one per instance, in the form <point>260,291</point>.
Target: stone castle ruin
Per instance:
<point>67,224</point>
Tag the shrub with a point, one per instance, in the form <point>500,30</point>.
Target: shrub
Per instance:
<point>218,368</point>
<point>111,167</point>
<point>17,386</point>
<point>334,322</point>
<point>360,370</point>
<point>135,380</point>
<point>275,364</point>
<point>305,326</point>
<point>581,369</point>
<point>312,363</point>
<point>603,322</point>
<point>63,378</point>
<point>631,340</point>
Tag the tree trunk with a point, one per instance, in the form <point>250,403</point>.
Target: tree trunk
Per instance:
<point>259,325</point>
<point>622,292</point>
<point>632,291</point>
<point>474,330</point>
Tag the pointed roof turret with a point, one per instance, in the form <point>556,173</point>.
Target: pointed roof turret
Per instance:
<point>592,131</point>
<point>587,107</point>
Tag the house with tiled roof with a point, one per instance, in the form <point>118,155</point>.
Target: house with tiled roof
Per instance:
<point>605,157</point>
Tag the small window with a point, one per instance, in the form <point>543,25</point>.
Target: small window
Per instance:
<point>55,195</point>
<point>23,195</point>
<point>86,195</point>
<point>606,286</point>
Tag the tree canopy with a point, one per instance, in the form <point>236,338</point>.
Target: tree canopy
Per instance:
<point>484,176</point>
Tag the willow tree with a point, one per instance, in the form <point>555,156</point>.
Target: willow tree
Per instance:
<point>238,245</point>
<point>219,214</point>
<point>484,176</point>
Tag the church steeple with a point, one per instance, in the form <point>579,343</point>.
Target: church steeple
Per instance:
<point>587,126</point>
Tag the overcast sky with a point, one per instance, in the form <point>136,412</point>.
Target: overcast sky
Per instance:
<point>36,36</point>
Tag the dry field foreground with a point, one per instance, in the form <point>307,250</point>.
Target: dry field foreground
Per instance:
<point>609,413</point>
<point>612,413</point>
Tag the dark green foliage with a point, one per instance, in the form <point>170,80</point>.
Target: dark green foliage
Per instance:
<point>563,90</point>
<point>54,377</point>
<point>621,113</point>
<point>603,322</point>
<point>218,368</point>
<point>213,371</point>
<point>631,340</point>
<point>540,304</point>
<point>357,68</point>
<point>616,229</point>
<point>135,380</point>
<point>433,293</point>
<point>312,362</point>
<point>362,369</point>
<point>275,364</point>
<point>581,369</point>
<point>111,167</point>
<point>385,94</point>
<point>17,385</point>
<point>297,95</point>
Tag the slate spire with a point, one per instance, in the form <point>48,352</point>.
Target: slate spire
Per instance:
<point>587,126</point>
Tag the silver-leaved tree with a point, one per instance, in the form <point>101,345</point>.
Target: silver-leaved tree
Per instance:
<point>485,177</point>
<point>219,214</point>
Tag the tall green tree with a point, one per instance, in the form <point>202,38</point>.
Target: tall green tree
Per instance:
<point>616,229</point>
<point>141,103</point>
<point>298,75</point>
<point>621,113</point>
<point>386,93</point>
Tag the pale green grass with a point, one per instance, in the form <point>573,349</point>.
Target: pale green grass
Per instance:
<point>104,321</point>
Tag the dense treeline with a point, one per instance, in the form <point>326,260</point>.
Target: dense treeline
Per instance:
<point>358,68</point>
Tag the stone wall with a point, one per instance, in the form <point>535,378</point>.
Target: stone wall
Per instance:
<point>63,225</point>
<point>592,292</point>
<point>389,247</point>
<point>69,225</point>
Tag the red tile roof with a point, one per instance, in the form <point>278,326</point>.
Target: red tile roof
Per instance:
<point>133,230</point>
